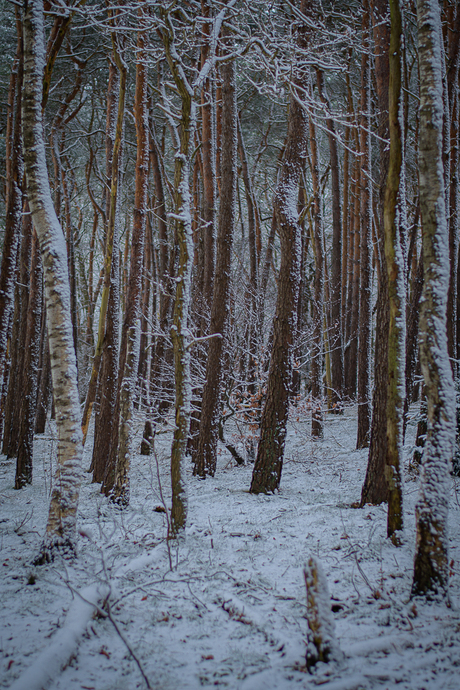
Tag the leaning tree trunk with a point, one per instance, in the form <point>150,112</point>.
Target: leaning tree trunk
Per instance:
<point>206,454</point>
<point>269,462</point>
<point>431,565</point>
<point>61,527</point>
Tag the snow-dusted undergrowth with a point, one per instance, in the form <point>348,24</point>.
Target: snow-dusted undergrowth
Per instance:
<point>231,612</point>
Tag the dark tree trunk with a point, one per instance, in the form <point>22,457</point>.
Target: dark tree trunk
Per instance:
<point>30,371</point>
<point>269,462</point>
<point>14,395</point>
<point>364,335</point>
<point>104,375</point>
<point>45,387</point>
<point>335,335</point>
<point>316,369</point>
<point>206,455</point>
<point>129,348</point>
<point>396,287</point>
<point>12,235</point>
<point>103,471</point>
<point>113,156</point>
<point>412,338</point>
<point>452,50</point>
<point>375,488</point>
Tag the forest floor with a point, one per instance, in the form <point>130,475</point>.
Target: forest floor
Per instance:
<point>230,612</point>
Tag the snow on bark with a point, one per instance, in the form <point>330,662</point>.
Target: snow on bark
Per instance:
<point>61,527</point>
<point>321,641</point>
<point>206,456</point>
<point>180,335</point>
<point>129,352</point>
<point>14,175</point>
<point>269,462</point>
<point>431,565</point>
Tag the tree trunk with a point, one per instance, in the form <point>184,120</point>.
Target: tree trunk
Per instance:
<point>45,388</point>
<point>179,330</point>
<point>364,331</point>
<point>316,369</point>
<point>396,288</point>
<point>431,565</point>
<point>114,162</point>
<point>12,235</point>
<point>14,396</point>
<point>208,153</point>
<point>269,462</point>
<point>30,371</point>
<point>335,337</point>
<point>61,527</point>
<point>129,349</point>
<point>206,456</point>
<point>375,487</point>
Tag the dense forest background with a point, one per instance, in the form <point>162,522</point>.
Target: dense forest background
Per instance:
<point>243,189</point>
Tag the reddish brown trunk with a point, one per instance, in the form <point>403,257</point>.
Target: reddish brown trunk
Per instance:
<point>13,203</point>
<point>375,488</point>
<point>335,331</point>
<point>269,462</point>
<point>30,372</point>
<point>206,455</point>
<point>318,296</point>
<point>15,383</point>
<point>364,408</point>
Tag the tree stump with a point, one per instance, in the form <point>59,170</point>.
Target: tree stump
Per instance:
<point>148,437</point>
<point>321,642</point>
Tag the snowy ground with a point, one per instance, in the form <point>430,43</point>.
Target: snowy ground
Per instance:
<point>230,613</point>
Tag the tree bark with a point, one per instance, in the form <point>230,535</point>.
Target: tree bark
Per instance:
<point>14,180</point>
<point>14,395</point>
<point>269,462</point>
<point>129,349</point>
<point>316,368</point>
<point>30,371</point>
<point>61,527</point>
<point>431,562</point>
<point>396,289</point>
<point>206,456</point>
<point>364,330</point>
<point>335,337</point>
<point>114,157</point>
<point>375,487</point>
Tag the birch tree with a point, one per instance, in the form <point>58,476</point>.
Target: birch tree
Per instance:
<point>431,564</point>
<point>61,528</point>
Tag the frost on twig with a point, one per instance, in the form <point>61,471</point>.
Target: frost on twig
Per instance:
<point>321,642</point>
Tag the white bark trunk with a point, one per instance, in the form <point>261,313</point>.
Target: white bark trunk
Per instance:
<point>61,527</point>
<point>431,565</point>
